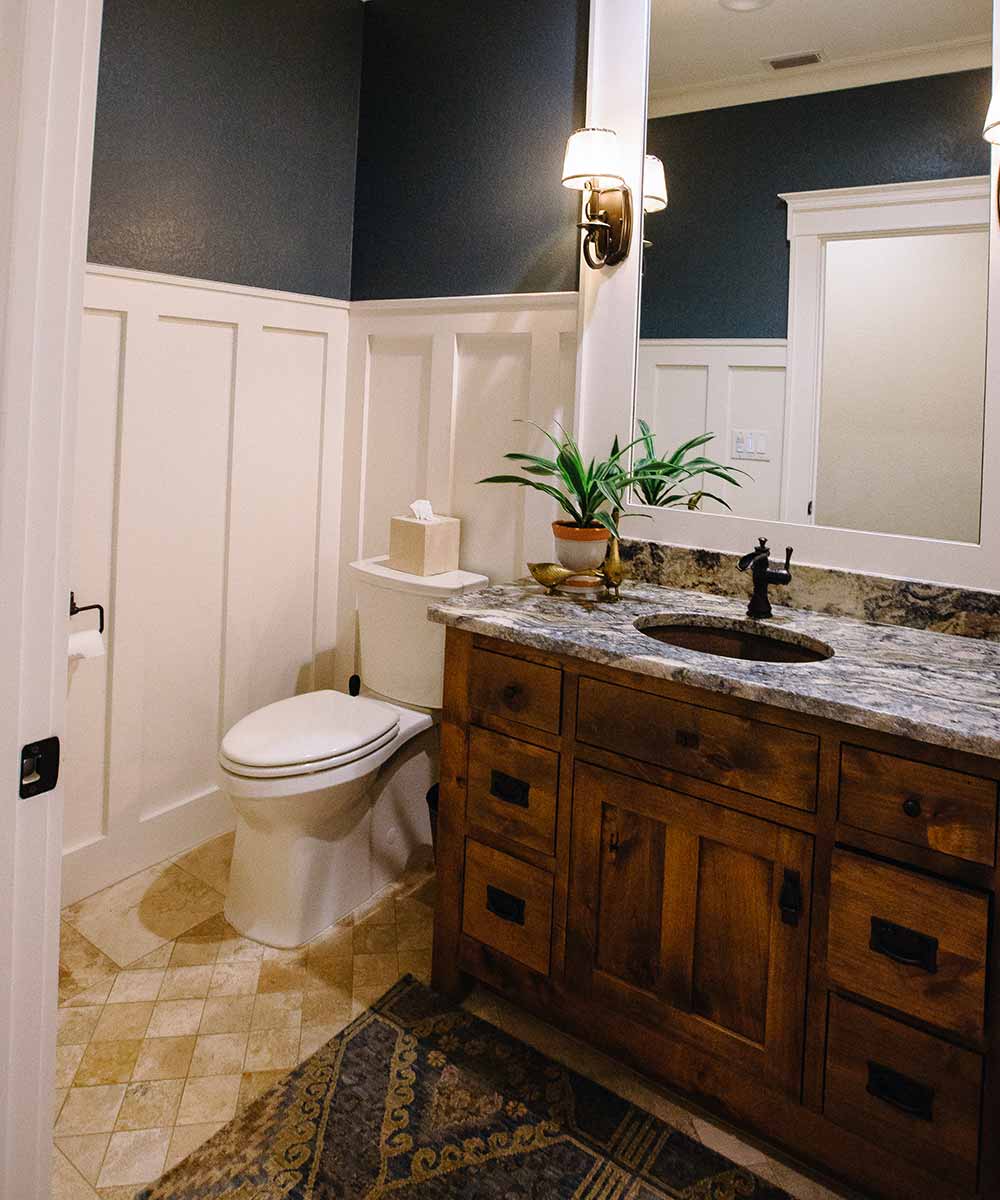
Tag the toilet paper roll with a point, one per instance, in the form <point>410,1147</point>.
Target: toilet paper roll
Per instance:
<point>88,643</point>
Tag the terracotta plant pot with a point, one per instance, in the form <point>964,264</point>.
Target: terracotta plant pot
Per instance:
<point>580,549</point>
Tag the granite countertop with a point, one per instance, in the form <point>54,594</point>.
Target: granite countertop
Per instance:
<point>932,687</point>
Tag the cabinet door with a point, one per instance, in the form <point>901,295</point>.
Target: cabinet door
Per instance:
<point>692,919</point>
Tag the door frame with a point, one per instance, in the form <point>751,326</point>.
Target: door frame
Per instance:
<point>49,51</point>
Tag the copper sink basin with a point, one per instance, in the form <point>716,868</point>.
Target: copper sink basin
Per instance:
<point>734,639</point>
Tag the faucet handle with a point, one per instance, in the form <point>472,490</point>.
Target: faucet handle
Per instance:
<point>788,558</point>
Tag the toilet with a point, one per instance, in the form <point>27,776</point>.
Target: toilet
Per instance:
<point>330,789</point>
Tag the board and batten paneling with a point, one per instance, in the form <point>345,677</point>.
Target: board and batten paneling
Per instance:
<point>687,387</point>
<point>207,518</point>
<point>434,390</point>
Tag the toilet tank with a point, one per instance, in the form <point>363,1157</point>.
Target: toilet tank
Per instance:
<point>401,652</point>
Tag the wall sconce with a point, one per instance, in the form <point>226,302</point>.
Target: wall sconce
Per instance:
<point>991,130</point>
<point>654,186</point>
<point>593,165</point>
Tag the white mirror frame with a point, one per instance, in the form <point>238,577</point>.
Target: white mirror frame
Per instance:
<point>609,321</point>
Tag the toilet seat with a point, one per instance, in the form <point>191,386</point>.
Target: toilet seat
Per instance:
<point>306,734</point>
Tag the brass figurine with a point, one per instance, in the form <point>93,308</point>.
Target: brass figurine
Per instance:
<point>551,575</point>
<point>611,572</point>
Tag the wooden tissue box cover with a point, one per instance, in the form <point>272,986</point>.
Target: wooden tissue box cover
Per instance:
<point>424,547</point>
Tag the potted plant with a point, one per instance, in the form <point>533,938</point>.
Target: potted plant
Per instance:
<point>593,494</point>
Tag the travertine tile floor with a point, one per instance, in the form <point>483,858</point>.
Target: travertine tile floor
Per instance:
<point>170,1022</point>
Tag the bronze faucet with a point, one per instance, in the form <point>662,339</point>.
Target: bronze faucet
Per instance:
<point>758,563</point>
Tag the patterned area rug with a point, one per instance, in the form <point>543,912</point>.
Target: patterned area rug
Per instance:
<point>421,1101</point>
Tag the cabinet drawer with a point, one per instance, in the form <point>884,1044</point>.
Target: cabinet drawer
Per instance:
<point>947,811</point>
<point>910,1093</point>
<point>508,905</point>
<point>748,756</point>
<point>513,788</point>
<point>914,943</point>
<point>515,689</point>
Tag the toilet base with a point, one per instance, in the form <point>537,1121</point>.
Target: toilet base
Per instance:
<point>292,879</point>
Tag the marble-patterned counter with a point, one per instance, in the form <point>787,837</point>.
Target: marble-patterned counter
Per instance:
<point>932,687</point>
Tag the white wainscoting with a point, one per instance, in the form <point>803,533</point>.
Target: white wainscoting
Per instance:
<point>434,388</point>
<point>688,387</point>
<point>207,518</point>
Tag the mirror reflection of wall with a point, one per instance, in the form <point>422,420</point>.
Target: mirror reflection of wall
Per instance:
<point>885,434</point>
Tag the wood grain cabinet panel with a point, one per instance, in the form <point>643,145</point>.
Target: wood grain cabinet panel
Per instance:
<point>947,811</point>
<point>748,756</point>
<point>513,788</point>
<point>905,1090</point>
<point>692,918</point>
<point>527,692</point>
<point>911,942</point>
<point>508,905</point>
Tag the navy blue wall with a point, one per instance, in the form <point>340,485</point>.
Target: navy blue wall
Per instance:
<point>465,111</point>
<point>226,140</point>
<point>718,267</point>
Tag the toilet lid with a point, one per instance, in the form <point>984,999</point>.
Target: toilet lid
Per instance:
<point>309,729</point>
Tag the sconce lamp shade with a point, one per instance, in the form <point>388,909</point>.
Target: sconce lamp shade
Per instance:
<point>592,160</point>
<point>654,186</point>
<point>991,130</point>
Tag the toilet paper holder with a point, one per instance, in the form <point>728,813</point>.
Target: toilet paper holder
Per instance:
<point>75,608</point>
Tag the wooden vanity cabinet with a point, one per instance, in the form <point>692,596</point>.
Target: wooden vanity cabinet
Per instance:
<point>788,919</point>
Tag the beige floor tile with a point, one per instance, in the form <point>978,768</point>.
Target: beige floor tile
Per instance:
<point>332,971</point>
<point>374,939</point>
<point>133,986</point>
<point>240,949</point>
<point>416,963</point>
<point>212,1099</point>
<point>414,937</point>
<point>98,994</point>
<point>67,1061</point>
<point>185,1140</point>
<point>315,1036</point>
<point>119,1193</point>
<point>380,910</point>
<point>67,1183</point>
<point>90,1110</point>
<point>194,951</point>
<point>235,979</point>
<point>107,1062</point>
<point>164,1058</point>
<point>728,1144</point>
<point>155,960</point>
<point>227,1014</point>
<point>76,1025</point>
<point>186,983</point>
<point>119,1022</point>
<point>150,1104</point>
<point>278,975</point>
<point>58,1100</point>
<point>327,1007</point>
<point>210,862</point>
<point>82,967</point>
<point>335,942</point>
<point>277,1010</point>
<point>256,1083</point>
<point>134,1157</point>
<point>86,1153</point>
<point>375,970</point>
<point>272,1050</point>
<point>218,1054</point>
<point>175,1018</point>
<point>132,918</point>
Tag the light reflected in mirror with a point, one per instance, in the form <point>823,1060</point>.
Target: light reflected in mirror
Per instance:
<point>814,292</point>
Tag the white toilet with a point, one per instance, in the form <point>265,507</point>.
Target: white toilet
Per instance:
<point>330,789</point>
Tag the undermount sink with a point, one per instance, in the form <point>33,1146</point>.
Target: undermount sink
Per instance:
<point>734,639</point>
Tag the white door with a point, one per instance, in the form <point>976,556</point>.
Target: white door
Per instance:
<point>48,72</point>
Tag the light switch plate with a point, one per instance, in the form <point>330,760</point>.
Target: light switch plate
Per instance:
<point>751,444</point>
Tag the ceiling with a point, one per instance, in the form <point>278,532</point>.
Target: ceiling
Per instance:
<point>705,56</point>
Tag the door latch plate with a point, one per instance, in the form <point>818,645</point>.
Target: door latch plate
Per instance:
<point>39,767</point>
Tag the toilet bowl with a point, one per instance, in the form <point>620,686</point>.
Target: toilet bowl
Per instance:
<point>329,789</point>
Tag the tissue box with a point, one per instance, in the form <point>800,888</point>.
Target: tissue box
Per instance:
<point>424,547</point>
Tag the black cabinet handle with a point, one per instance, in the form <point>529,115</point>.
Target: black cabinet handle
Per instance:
<point>508,789</point>
<point>791,901</point>
<point>910,1097</point>
<point>512,696</point>
<point>505,906</point>
<point>687,738</point>
<point>911,806</point>
<point>904,946</point>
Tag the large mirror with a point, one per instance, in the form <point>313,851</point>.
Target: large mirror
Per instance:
<point>814,292</point>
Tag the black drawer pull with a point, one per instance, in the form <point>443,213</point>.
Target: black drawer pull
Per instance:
<point>910,1097</point>
<point>912,807</point>
<point>904,946</point>
<point>505,906</point>
<point>687,738</point>
<point>791,901</point>
<point>508,789</point>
